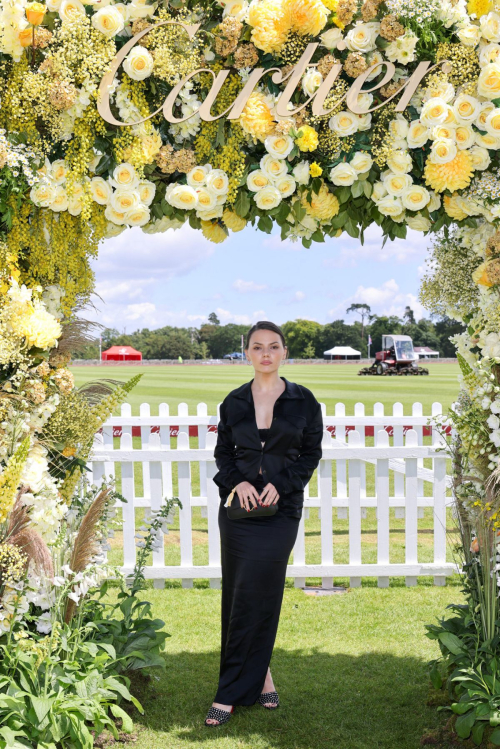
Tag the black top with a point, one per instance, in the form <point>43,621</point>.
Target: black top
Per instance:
<point>264,434</point>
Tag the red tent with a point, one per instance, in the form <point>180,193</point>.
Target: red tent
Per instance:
<point>121,353</point>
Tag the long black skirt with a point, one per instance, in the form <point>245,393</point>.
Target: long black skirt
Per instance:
<point>254,555</point>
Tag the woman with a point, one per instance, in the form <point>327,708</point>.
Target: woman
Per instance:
<point>268,446</point>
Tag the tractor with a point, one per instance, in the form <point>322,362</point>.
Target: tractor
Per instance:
<point>396,358</point>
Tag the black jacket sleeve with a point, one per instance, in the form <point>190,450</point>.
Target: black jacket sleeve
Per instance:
<point>298,474</point>
<point>228,475</point>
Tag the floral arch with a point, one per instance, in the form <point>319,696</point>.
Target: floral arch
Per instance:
<point>318,116</point>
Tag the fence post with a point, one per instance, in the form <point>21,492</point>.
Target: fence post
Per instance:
<point>439,494</point>
<point>98,466</point>
<point>325,493</point>
<point>399,479</point>
<point>202,410</point>
<point>341,465</point>
<point>109,465</point>
<point>166,466</point>
<point>417,410</point>
<point>213,502</point>
<point>354,509</point>
<point>382,493</point>
<point>186,535</point>
<point>145,410</point>
<point>128,509</point>
<point>156,485</point>
<point>359,410</point>
<point>411,515</point>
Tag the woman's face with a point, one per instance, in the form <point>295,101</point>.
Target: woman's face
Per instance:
<point>265,351</point>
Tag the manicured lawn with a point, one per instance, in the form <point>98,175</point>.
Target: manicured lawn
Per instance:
<point>350,670</point>
<point>330,384</point>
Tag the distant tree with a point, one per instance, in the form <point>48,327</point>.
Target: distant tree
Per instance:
<point>222,339</point>
<point>309,351</point>
<point>213,319</point>
<point>446,327</point>
<point>380,326</point>
<point>174,344</point>
<point>409,316</point>
<point>364,311</point>
<point>299,334</point>
<point>338,333</point>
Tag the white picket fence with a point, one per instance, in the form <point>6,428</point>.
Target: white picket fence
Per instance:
<point>343,445</point>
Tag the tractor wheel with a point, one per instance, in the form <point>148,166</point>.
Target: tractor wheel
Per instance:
<point>380,369</point>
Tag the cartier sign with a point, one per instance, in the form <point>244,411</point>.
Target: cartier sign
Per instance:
<point>293,77</point>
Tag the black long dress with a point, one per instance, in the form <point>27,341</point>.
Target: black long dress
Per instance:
<point>254,556</point>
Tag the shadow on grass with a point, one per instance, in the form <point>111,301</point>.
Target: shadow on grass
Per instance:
<point>375,701</point>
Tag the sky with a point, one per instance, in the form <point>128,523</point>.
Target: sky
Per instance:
<point>178,278</point>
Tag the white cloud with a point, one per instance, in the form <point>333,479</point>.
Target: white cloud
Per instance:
<point>246,286</point>
<point>299,296</point>
<point>351,252</point>
<point>386,299</point>
<point>226,316</point>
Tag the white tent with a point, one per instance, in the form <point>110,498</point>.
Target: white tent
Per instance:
<point>342,352</point>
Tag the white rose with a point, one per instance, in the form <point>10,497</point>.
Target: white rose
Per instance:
<point>75,206</point>
<point>480,157</point>
<point>466,107</point>
<point>236,8</point>
<point>301,173</point>
<point>344,124</point>
<point>418,134</point>
<point>492,142</point>
<point>53,5</point>
<point>124,200</point>
<point>218,182</point>
<point>402,49</point>
<point>138,216</point>
<point>464,136</point>
<point>146,190</point>
<point>488,84</point>
<point>257,180</point>
<point>109,21</point>
<point>124,175</point>
<point>43,194</point>
<point>311,81</point>
<point>343,175</point>
<point>418,222</point>
<point>492,123</point>
<point>375,58</point>
<point>61,200</point>
<point>379,191</point>
<point>331,38</point>
<point>58,171</point>
<point>490,27</point>
<point>35,468</point>
<point>362,162</point>
<point>278,146</point>
<point>364,121</point>
<point>364,101</point>
<point>100,190</point>
<point>469,35</point>
<point>486,108</point>
<point>207,200</point>
<point>362,37</point>
<point>434,112</point>
<point>396,184</point>
<point>71,10</point>
<point>400,162</point>
<point>489,53</point>
<point>211,214</point>
<point>267,198</point>
<point>415,198</point>
<point>273,167</point>
<point>139,63</point>
<point>390,206</point>
<point>443,150</point>
<point>122,10</point>
<point>434,202</point>
<point>114,216</point>
<point>182,196</point>
<point>197,177</point>
<point>139,9</point>
<point>399,127</point>
<point>286,185</point>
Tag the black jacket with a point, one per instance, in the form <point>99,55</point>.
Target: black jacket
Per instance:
<point>290,454</point>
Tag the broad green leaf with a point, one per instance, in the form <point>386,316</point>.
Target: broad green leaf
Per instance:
<point>357,189</point>
<point>451,642</point>
<point>460,708</point>
<point>495,737</point>
<point>127,723</point>
<point>242,204</point>
<point>464,724</point>
<point>108,648</point>
<point>435,676</point>
<point>478,732</point>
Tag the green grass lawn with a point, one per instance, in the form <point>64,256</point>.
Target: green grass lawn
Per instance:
<point>330,384</point>
<point>350,668</point>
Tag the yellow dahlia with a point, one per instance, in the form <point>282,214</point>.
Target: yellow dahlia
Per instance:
<point>480,275</point>
<point>271,24</point>
<point>323,206</point>
<point>454,175</point>
<point>308,17</point>
<point>452,209</point>
<point>213,231</point>
<point>257,119</point>
<point>233,221</point>
<point>478,7</point>
<point>315,170</point>
<point>331,4</point>
<point>307,139</point>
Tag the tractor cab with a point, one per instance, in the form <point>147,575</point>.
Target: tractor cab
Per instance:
<point>396,358</point>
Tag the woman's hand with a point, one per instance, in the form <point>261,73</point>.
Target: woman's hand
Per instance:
<point>248,495</point>
<point>269,495</point>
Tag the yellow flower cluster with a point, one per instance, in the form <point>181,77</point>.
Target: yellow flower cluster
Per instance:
<point>273,20</point>
<point>11,477</point>
<point>213,231</point>
<point>452,176</point>
<point>307,139</point>
<point>257,119</point>
<point>323,205</point>
<point>13,564</point>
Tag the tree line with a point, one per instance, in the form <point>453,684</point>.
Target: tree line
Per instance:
<point>306,339</point>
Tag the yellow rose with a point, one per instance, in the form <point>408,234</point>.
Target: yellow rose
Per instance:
<point>182,196</point>
<point>124,200</point>
<point>488,84</point>
<point>415,198</point>
<point>434,112</point>
<point>114,216</point>
<point>443,150</point>
<point>464,136</point>
<point>267,198</point>
<point>344,124</point>
<point>137,216</point>
<point>273,167</point>
<point>399,161</point>
<point>278,146</point>
<point>197,177</point>
<point>207,200</point>
<point>418,134</point>
<point>396,184</point>
<point>43,194</point>
<point>35,13</point>
<point>390,206</point>
<point>61,200</point>
<point>286,185</point>
<point>480,157</point>
<point>492,124</point>
<point>492,142</point>
<point>138,64</point>
<point>218,181</point>
<point>59,171</point>
<point>146,190</point>
<point>124,175</point>
<point>343,175</point>
<point>100,190</point>
<point>25,37</point>
<point>150,145</point>
<point>362,162</point>
<point>257,180</point>
<point>466,107</point>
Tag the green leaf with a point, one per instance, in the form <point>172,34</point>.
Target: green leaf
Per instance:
<point>464,724</point>
<point>41,706</point>
<point>242,204</point>
<point>478,732</point>
<point>368,188</point>
<point>108,648</point>
<point>496,102</point>
<point>318,236</point>
<point>343,194</point>
<point>127,723</point>
<point>451,642</point>
<point>495,737</point>
<point>435,676</point>
<point>460,708</point>
<point>265,224</point>
<point>357,189</point>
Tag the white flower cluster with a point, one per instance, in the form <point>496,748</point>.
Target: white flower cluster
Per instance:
<point>12,21</point>
<point>347,173</point>
<point>189,105</point>
<point>47,507</point>
<point>109,18</point>
<point>13,605</point>
<point>272,182</point>
<point>18,158</point>
<point>205,191</point>
<point>126,197</point>
<point>76,110</point>
<point>51,189</point>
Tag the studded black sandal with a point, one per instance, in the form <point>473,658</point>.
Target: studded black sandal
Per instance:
<point>220,715</point>
<point>267,697</point>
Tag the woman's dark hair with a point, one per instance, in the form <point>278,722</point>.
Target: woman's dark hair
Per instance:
<point>265,325</point>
